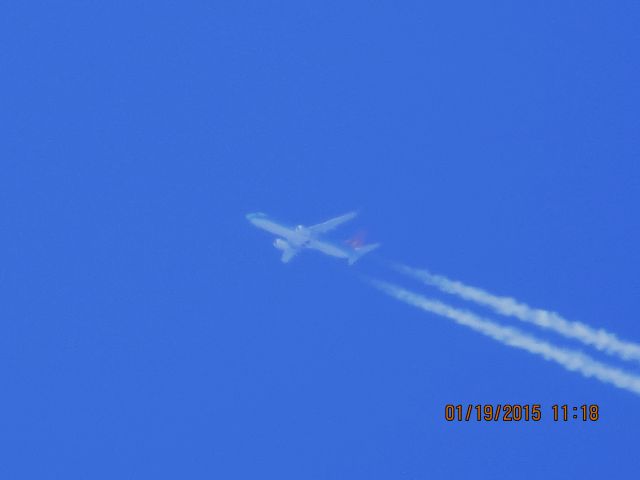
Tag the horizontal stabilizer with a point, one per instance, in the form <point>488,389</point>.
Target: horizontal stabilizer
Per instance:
<point>360,251</point>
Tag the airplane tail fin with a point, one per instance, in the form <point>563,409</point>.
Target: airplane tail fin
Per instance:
<point>360,251</point>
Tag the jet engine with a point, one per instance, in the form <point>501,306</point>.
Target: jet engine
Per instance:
<point>281,244</point>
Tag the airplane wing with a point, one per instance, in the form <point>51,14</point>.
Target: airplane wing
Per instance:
<point>288,254</point>
<point>333,223</point>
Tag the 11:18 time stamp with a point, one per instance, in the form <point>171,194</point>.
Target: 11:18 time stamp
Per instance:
<point>509,412</point>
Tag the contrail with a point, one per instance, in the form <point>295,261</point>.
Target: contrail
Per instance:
<point>572,360</point>
<point>597,338</point>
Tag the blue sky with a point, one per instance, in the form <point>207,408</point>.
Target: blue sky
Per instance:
<point>149,331</point>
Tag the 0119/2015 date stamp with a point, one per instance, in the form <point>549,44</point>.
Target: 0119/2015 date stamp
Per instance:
<point>514,412</point>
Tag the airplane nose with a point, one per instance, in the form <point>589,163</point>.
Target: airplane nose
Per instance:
<point>254,216</point>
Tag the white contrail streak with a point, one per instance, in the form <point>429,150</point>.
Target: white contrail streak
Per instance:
<point>572,360</point>
<point>597,338</point>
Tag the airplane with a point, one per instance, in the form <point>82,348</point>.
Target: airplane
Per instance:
<point>295,239</point>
